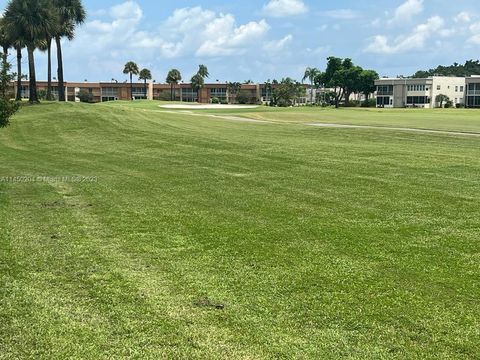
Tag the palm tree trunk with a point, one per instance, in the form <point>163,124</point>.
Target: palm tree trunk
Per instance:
<point>33,98</point>
<point>5,55</point>
<point>311,93</point>
<point>61,86</point>
<point>131,86</point>
<point>146,96</point>
<point>171,92</point>
<point>18,97</point>
<point>49,65</point>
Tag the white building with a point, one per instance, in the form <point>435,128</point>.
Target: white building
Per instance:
<point>399,92</point>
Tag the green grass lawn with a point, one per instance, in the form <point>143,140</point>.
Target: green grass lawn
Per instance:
<point>198,238</point>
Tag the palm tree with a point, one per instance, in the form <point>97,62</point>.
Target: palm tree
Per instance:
<point>29,20</point>
<point>173,78</point>
<point>145,75</point>
<point>5,41</point>
<point>45,45</point>
<point>70,14</point>
<point>132,69</point>
<point>311,74</point>
<point>203,71</point>
<point>198,83</point>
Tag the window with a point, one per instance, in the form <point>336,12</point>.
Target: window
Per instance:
<point>461,89</point>
<point>439,87</point>
<point>383,100</point>
<point>385,90</point>
<point>456,88</point>
<point>418,100</point>
<point>189,95</point>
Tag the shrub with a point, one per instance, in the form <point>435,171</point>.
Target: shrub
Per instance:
<point>7,107</point>
<point>215,100</point>
<point>245,97</point>
<point>85,96</point>
<point>448,104</point>
<point>370,103</point>
<point>460,106</point>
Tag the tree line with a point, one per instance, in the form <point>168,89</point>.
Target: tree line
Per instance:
<point>35,25</point>
<point>471,67</point>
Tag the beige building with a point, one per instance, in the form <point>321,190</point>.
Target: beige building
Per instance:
<point>403,92</point>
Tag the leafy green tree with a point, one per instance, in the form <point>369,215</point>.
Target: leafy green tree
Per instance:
<point>7,107</point>
<point>5,40</point>
<point>311,74</point>
<point>287,92</point>
<point>440,99</point>
<point>203,72</point>
<point>145,75</point>
<point>198,83</point>
<point>367,83</point>
<point>343,76</point>
<point>69,14</point>
<point>233,89</point>
<point>131,69</point>
<point>173,78</point>
<point>29,20</point>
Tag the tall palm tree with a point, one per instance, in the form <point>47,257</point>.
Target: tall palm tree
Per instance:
<point>19,45</point>
<point>173,78</point>
<point>29,20</point>
<point>198,83</point>
<point>5,40</point>
<point>132,69</point>
<point>203,71</point>
<point>311,74</point>
<point>145,75</point>
<point>70,14</point>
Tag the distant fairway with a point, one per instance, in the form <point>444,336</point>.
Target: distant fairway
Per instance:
<point>128,231</point>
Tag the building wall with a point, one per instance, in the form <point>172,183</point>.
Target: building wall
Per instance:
<point>472,95</point>
<point>421,92</point>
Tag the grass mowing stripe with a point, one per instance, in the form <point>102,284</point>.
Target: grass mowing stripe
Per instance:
<point>214,239</point>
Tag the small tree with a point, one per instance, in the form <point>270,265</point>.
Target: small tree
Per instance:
<point>85,96</point>
<point>441,98</point>
<point>8,107</point>
<point>131,69</point>
<point>145,75</point>
<point>233,90</point>
<point>173,78</point>
<point>198,84</point>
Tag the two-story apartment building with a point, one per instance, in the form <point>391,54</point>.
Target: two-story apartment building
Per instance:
<point>473,92</point>
<point>409,92</point>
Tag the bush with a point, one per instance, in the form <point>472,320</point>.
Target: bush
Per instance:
<point>460,106</point>
<point>370,103</point>
<point>42,94</point>
<point>85,96</point>
<point>215,100</point>
<point>7,109</point>
<point>448,104</point>
<point>245,97</point>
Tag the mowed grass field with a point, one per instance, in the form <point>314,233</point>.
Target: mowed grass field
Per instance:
<point>180,236</point>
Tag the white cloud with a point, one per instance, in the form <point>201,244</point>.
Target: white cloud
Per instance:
<point>187,32</point>
<point>127,10</point>
<point>463,17</point>
<point>415,40</point>
<point>222,38</point>
<point>407,11</point>
<point>475,30</point>
<point>278,45</point>
<point>281,8</point>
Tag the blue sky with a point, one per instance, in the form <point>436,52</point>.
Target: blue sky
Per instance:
<point>266,39</point>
